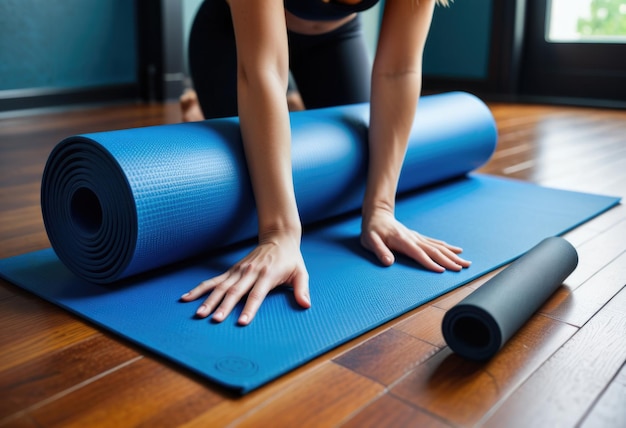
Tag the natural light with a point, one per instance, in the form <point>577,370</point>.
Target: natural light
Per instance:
<point>590,21</point>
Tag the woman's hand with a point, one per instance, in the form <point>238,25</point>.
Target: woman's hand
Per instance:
<point>382,234</point>
<point>396,87</point>
<point>275,261</point>
<point>262,81</point>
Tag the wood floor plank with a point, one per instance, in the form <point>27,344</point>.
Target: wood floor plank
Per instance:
<point>566,386</point>
<point>563,153</point>
<point>389,412</point>
<point>561,147</point>
<point>7,290</point>
<point>36,329</point>
<point>50,340</point>
<point>578,306</point>
<point>554,169</point>
<point>461,392</point>
<point>448,300</point>
<point>29,233</point>
<point>129,396</point>
<point>426,325</point>
<point>610,411</point>
<point>233,406</point>
<point>387,357</point>
<point>38,379</point>
<point>325,397</point>
<point>596,225</point>
<point>28,242</point>
<point>19,196</point>
<point>604,177</point>
<point>598,253</point>
<point>20,421</point>
<point>68,122</point>
<point>183,409</point>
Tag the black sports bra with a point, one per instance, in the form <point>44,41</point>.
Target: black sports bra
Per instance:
<point>320,10</point>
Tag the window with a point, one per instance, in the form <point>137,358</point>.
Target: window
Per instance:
<point>576,50</point>
<point>586,21</point>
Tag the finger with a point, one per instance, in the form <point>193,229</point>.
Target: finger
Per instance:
<point>209,304</point>
<point>448,252</point>
<point>443,253</point>
<point>409,245</point>
<point>204,287</point>
<point>455,258</point>
<point>375,244</point>
<point>263,286</point>
<point>219,286</point>
<point>300,285</point>
<point>255,298</point>
<point>443,244</point>
<point>443,257</point>
<point>235,292</point>
<point>418,254</point>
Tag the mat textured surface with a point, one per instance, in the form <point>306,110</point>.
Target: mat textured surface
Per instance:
<point>174,206</point>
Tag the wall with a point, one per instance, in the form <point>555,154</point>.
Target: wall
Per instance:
<point>55,45</point>
<point>459,40</point>
<point>66,43</point>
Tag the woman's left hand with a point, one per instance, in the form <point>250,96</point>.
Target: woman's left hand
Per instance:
<point>383,234</point>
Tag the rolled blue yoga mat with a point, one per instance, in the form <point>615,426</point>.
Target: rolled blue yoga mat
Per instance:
<point>124,202</point>
<point>122,207</point>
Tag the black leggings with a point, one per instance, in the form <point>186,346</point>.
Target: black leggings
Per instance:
<point>328,69</point>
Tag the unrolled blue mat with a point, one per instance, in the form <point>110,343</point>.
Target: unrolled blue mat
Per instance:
<point>140,216</point>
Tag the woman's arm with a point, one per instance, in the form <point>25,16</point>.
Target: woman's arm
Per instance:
<point>262,76</point>
<point>396,86</point>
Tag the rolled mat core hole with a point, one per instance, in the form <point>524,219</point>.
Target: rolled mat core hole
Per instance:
<point>471,332</point>
<point>86,210</point>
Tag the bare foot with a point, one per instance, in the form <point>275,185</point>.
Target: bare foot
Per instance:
<point>294,101</point>
<point>190,106</point>
<point>191,111</point>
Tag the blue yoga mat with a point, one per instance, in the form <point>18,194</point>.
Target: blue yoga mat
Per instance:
<point>137,217</point>
<point>125,202</point>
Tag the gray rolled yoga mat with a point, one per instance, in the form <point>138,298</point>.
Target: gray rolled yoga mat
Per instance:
<point>478,326</point>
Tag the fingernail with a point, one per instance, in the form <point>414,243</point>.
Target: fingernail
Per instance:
<point>218,315</point>
<point>184,295</point>
<point>243,319</point>
<point>201,310</point>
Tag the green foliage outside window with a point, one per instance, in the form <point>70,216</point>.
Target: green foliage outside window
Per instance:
<point>606,18</point>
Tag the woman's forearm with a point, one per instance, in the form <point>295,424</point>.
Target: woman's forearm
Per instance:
<point>396,86</point>
<point>393,106</point>
<point>262,76</point>
<point>265,130</point>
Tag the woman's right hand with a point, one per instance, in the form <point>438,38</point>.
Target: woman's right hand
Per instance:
<point>275,261</point>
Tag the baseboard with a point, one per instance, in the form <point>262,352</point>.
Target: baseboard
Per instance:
<point>37,98</point>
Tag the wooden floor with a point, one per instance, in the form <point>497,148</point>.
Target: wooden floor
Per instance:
<point>565,368</point>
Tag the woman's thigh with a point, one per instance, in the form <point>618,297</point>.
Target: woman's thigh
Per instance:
<point>329,69</point>
<point>332,68</point>
<point>213,59</point>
